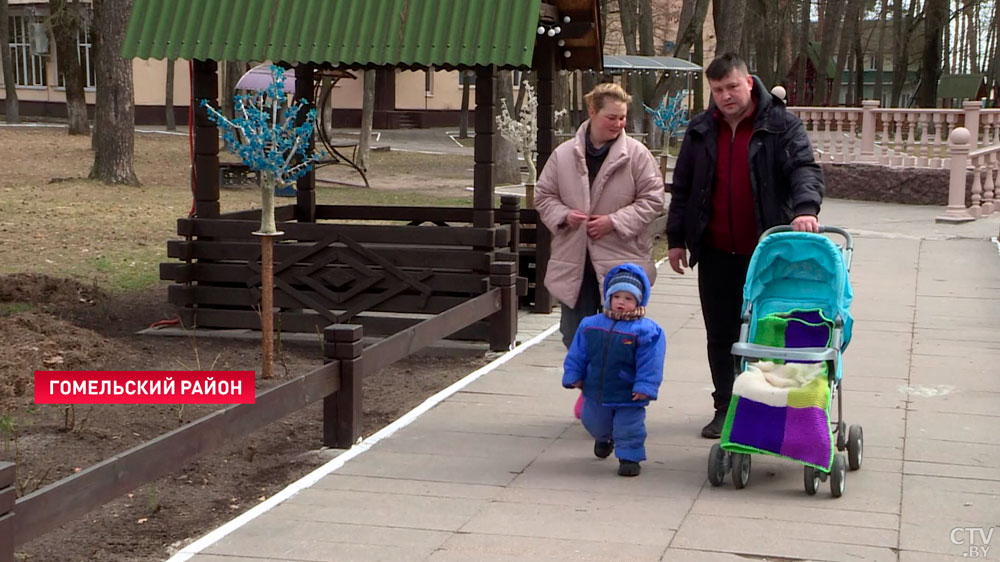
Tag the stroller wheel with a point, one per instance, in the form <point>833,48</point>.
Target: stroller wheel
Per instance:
<point>841,435</point>
<point>811,479</point>
<point>855,447</point>
<point>838,476</point>
<point>741,470</point>
<point>716,465</point>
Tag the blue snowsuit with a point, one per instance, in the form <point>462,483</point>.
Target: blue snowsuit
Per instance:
<point>615,358</point>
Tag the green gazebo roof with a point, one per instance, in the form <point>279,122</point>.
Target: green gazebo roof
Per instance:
<point>349,33</point>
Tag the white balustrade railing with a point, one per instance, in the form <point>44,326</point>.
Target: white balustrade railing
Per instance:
<point>895,136</point>
<point>984,165</point>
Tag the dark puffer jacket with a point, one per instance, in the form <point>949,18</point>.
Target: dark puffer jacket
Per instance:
<point>785,179</point>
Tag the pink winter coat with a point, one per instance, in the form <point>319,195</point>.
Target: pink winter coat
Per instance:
<point>628,187</point>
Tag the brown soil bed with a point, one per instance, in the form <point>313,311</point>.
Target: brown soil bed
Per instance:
<point>49,323</point>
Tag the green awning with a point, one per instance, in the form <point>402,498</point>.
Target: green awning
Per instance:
<point>349,33</point>
<point>959,86</point>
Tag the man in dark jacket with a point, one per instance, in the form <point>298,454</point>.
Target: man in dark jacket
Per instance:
<point>745,165</point>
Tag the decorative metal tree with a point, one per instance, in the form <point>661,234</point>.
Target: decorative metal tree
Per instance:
<point>523,132</point>
<point>670,116</point>
<point>264,135</point>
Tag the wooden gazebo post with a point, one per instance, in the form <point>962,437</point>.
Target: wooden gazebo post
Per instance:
<point>305,196</point>
<point>486,126</point>
<point>205,181</point>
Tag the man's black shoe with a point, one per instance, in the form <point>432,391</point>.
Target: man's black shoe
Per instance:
<point>628,468</point>
<point>714,428</point>
<point>603,448</point>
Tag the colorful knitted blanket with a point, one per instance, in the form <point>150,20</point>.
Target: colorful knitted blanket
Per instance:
<point>783,410</point>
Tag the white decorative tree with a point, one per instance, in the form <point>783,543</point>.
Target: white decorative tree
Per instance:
<point>264,135</point>
<point>670,116</point>
<point>523,132</point>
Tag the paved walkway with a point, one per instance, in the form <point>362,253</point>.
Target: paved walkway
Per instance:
<point>500,471</point>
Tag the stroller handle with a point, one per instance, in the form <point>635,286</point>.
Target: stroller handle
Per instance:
<point>848,249</point>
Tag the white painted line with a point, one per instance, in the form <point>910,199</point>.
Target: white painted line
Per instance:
<point>418,151</point>
<point>45,125</point>
<point>997,242</point>
<point>308,480</point>
<point>155,132</point>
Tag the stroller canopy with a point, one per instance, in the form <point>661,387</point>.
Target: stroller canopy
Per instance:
<point>797,270</point>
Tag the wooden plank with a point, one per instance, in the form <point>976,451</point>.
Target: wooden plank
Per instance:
<point>73,496</point>
<point>7,544</point>
<point>397,254</point>
<point>8,474</point>
<point>362,233</point>
<point>421,335</point>
<point>183,295</point>
<point>310,323</point>
<point>238,274</point>
<point>366,212</point>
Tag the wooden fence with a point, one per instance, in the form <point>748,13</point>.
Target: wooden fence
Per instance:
<point>337,383</point>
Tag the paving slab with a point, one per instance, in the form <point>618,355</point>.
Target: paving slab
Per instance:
<point>500,471</point>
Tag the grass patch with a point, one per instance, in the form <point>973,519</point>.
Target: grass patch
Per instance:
<point>116,236</point>
<point>12,308</point>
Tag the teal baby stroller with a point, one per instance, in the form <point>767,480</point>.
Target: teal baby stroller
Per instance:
<point>796,326</point>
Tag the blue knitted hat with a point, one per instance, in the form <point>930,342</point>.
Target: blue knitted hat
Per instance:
<point>623,281</point>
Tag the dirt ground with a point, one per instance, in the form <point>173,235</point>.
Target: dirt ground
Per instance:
<point>79,279</point>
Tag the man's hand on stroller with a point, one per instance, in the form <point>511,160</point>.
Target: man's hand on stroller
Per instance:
<point>805,223</point>
<point>577,384</point>
<point>678,259</point>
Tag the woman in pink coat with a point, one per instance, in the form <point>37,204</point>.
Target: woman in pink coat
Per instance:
<point>597,195</point>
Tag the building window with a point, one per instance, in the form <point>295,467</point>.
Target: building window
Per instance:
<point>517,76</point>
<point>467,77</point>
<point>429,81</point>
<point>29,69</point>
<point>83,43</point>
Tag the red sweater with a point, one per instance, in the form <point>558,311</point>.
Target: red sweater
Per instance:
<point>733,226</point>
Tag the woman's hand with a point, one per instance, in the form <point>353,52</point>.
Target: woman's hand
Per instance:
<point>598,226</point>
<point>575,218</point>
<point>638,396</point>
<point>578,384</point>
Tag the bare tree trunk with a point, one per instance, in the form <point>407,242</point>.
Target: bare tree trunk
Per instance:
<point>168,102</point>
<point>936,17</point>
<point>800,75</point>
<point>232,71</point>
<point>880,50</point>
<point>691,26</point>
<point>900,52</point>
<point>994,56</point>
<point>972,33</point>
<point>65,19</point>
<point>859,60</point>
<point>367,116</point>
<point>696,82</point>
<point>604,20</point>
<point>828,39</point>
<point>463,116</point>
<point>12,113</point>
<point>846,41</point>
<point>760,16</point>
<point>728,17</point>
<point>506,168</point>
<point>115,113</point>
<point>647,46</point>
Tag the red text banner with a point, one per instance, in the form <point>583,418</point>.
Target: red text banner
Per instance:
<point>144,387</point>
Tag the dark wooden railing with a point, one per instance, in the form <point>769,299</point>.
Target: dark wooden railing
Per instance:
<point>338,383</point>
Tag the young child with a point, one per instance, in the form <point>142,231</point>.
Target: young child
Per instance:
<point>617,359</point>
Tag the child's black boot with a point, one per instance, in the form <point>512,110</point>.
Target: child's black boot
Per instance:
<point>628,468</point>
<point>603,448</point>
